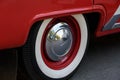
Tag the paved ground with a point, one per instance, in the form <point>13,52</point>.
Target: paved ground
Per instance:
<point>102,62</point>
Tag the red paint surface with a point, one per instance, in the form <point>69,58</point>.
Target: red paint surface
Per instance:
<point>110,7</point>
<point>17,16</point>
<point>118,21</point>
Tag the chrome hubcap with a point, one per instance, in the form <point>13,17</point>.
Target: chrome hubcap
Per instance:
<point>59,41</point>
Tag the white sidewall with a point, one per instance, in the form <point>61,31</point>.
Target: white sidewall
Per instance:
<point>73,65</point>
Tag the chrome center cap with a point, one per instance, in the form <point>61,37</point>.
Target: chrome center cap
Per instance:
<point>59,41</point>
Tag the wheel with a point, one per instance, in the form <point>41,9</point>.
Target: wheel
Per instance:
<point>55,47</point>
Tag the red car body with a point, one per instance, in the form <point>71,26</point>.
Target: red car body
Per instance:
<point>18,16</point>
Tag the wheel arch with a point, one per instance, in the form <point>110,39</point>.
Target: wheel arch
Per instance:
<point>40,17</point>
<point>96,14</point>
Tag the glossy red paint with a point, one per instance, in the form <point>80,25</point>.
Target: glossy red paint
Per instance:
<point>17,16</point>
<point>118,21</point>
<point>76,33</point>
<point>110,6</point>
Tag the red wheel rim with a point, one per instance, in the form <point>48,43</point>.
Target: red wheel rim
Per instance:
<point>76,33</point>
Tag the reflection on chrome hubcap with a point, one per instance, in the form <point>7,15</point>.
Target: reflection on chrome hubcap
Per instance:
<point>59,41</point>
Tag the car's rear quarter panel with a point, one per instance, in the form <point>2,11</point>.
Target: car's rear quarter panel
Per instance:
<point>17,16</point>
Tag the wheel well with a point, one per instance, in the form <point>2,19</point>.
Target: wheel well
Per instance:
<point>92,20</point>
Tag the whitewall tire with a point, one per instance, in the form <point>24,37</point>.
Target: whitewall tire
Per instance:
<point>45,55</point>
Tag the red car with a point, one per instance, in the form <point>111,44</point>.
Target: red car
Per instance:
<point>53,34</point>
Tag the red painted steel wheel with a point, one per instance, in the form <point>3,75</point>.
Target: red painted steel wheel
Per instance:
<point>55,47</point>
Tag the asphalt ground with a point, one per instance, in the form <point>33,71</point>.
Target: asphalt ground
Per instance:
<point>101,62</point>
